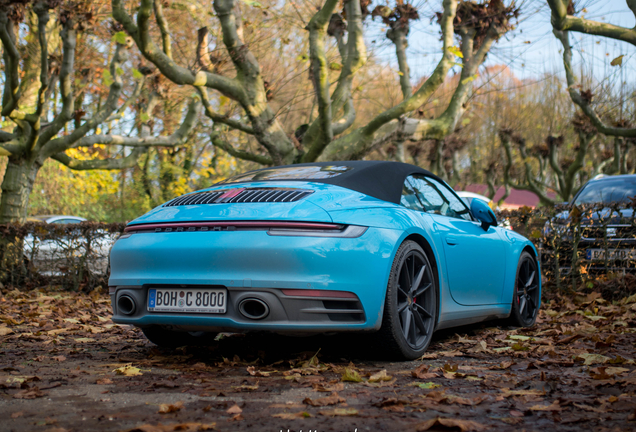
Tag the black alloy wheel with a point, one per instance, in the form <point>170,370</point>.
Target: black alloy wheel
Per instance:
<point>525,301</point>
<point>410,307</point>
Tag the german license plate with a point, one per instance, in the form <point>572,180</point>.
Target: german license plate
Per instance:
<point>613,254</point>
<point>189,300</point>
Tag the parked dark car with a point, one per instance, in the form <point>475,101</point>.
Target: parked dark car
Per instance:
<point>600,222</point>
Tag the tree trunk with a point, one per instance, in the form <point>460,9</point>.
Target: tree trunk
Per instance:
<point>16,187</point>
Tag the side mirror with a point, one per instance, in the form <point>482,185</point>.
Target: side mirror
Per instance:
<point>483,213</point>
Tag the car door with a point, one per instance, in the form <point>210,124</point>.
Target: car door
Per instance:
<point>475,259</point>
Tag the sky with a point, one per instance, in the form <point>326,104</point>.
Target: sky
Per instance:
<point>531,50</point>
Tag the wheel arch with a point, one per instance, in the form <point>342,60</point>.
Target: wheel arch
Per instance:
<point>430,254</point>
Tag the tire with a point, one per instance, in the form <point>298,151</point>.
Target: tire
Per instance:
<point>409,314</point>
<point>173,339</point>
<point>525,299</point>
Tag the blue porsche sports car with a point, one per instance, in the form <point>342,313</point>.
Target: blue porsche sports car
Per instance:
<point>359,246</point>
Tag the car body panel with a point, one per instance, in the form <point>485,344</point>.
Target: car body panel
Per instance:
<point>474,259</point>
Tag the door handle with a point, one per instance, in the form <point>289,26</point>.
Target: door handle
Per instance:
<point>451,240</point>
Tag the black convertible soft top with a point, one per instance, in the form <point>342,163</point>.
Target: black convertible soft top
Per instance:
<point>379,179</point>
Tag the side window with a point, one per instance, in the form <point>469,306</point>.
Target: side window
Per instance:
<point>438,198</point>
<point>409,198</point>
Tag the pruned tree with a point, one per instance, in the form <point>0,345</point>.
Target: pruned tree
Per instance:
<point>546,166</point>
<point>564,21</point>
<point>333,133</point>
<point>65,114</point>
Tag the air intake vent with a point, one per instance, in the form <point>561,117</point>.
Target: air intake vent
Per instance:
<point>248,195</point>
<point>195,198</point>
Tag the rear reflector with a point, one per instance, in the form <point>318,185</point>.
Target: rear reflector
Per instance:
<point>319,293</point>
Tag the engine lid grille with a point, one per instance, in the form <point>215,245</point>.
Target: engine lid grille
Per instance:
<point>242,195</point>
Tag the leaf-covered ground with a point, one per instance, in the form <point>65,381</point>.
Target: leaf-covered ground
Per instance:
<point>65,366</point>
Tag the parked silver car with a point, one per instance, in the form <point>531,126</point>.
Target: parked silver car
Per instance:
<point>53,256</point>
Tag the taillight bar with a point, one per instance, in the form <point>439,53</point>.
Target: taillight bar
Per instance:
<point>237,224</point>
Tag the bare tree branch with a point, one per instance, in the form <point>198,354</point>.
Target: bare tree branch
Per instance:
<point>177,74</point>
<point>320,71</point>
<point>60,144</point>
<point>203,54</point>
<point>561,21</point>
<point>67,70</point>
<point>579,100</point>
<point>361,140</point>
<point>216,140</point>
<point>10,95</point>
<point>101,164</point>
<point>163,28</point>
<point>174,140</point>
<point>219,118</point>
<point>354,56</point>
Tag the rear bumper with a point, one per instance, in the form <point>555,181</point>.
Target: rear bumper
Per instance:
<point>253,264</point>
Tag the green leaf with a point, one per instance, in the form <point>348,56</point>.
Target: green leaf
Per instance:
<point>351,375</point>
<point>144,117</point>
<point>335,66</point>
<point>119,71</point>
<point>456,51</point>
<point>253,3</point>
<point>302,58</point>
<point>426,385</point>
<point>469,79</point>
<point>618,61</point>
<point>137,74</point>
<point>120,37</point>
<point>107,77</point>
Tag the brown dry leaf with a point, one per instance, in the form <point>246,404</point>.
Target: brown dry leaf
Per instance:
<point>503,365</point>
<point>234,409</point>
<point>128,371</point>
<point>380,376</point>
<point>4,330</point>
<point>59,358</point>
<point>507,392</point>
<point>455,353</point>
<point>252,371</point>
<point>465,401</point>
<point>463,425</point>
<point>170,408</point>
<point>31,393</point>
<point>84,340</point>
<point>334,399</point>
<point>104,381</point>
<point>421,372</point>
<point>292,416</point>
<point>554,406</point>
<point>287,406</point>
<point>328,388</point>
<point>17,414</point>
<point>511,420</point>
<point>590,359</point>
<point>246,387</point>
<point>339,412</point>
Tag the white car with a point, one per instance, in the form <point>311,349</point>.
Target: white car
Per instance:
<point>53,257</point>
